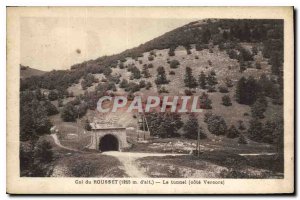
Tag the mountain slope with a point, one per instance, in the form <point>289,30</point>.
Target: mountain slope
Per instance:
<point>26,72</point>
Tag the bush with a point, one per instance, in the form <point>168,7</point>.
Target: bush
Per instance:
<point>171,52</point>
<point>228,82</point>
<point>174,64</point>
<point>205,102</point>
<point>223,89</point>
<point>124,83</point>
<point>52,96</point>
<point>132,87</point>
<point>211,89</point>
<point>87,125</point>
<point>241,125</point>
<point>142,84</point>
<point>148,85</point>
<point>161,77</point>
<point>163,90</point>
<point>242,139</point>
<point>172,72</point>
<point>150,58</point>
<point>121,66</point>
<point>226,101</point>
<point>207,116</point>
<point>188,92</point>
<point>257,65</point>
<point>150,65</point>
<point>232,132</point>
<point>50,108</point>
<point>216,125</point>
<point>209,62</point>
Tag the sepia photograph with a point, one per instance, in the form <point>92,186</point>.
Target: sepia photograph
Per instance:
<point>188,99</point>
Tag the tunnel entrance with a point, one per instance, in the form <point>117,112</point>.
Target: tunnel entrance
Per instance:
<point>108,143</point>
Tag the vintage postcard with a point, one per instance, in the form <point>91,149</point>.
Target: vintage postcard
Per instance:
<point>150,100</point>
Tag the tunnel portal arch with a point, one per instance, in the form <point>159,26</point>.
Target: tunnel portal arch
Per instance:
<point>109,142</point>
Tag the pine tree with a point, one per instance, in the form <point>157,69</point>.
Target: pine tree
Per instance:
<point>135,73</point>
<point>258,109</point>
<point>146,72</point>
<point>69,113</point>
<point>189,79</point>
<point>252,90</point>
<point>205,102</point>
<point>240,92</point>
<point>161,77</point>
<point>191,128</point>
<point>202,80</point>
<point>255,130</point>
<point>211,79</point>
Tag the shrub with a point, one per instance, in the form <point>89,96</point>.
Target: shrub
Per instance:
<point>223,89</point>
<point>132,87</point>
<point>172,73</point>
<point>241,125</point>
<point>161,77</point>
<point>152,53</point>
<point>142,84</point>
<point>52,96</point>
<point>216,125</point>
<point>228,82</point>
<point>205,102</point>
<point>163,90</point>
<point>171,52</point>
<point>87,125</point>
<point>188,92</point>
<point>226,101</point>
<point>124,83</point>
<point>148,85</point>
<point>50,108</point>
<point>242,139</point>
<point>207,116</point>
<point>150,58</point>
<point>174,64</point>
<point>150,65</point>
<point>60,103</point>
<point>209,62</point>
<point>257,65</point>
<point>232,132</point>
<point>69,113</point>
<point>121,66</point>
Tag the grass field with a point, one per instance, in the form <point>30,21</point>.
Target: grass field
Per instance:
<point>216,164</point>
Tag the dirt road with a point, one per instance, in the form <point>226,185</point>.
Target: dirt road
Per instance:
<point>128,159</point>
<point>57,142</point>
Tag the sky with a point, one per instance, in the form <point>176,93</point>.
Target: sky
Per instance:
<point>58,42</point>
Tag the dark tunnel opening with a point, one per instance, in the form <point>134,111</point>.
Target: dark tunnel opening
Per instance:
<point>109,143</point>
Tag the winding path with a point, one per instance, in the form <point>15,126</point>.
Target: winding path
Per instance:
<point>128,159</point>
<point>57,142</point>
